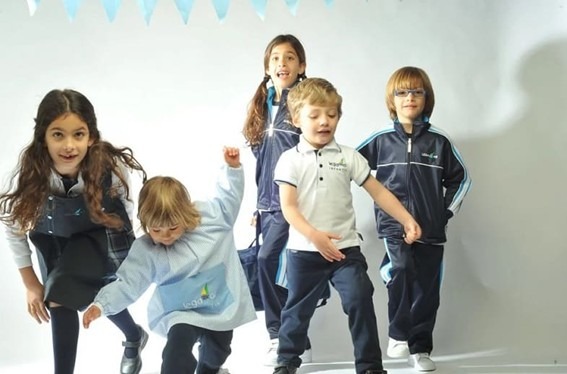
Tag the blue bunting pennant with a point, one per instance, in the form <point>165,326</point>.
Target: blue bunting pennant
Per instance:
<point>147,7</point>
<point>111,8</point>
<point>184,7</point>
<point>221,8</point>
<point>71,7</point>
<point>292,5</point>
<point>260,8</point>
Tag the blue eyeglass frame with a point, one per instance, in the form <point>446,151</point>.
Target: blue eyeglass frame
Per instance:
<point>414,92</point>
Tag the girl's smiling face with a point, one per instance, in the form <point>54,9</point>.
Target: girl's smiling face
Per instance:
<point>68,141</point>
<point>284,66</point>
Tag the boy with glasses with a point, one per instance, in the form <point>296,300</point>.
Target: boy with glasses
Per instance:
<point>423,169</point>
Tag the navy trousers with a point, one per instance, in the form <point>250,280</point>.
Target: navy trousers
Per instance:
<point>178,357</point>
<point>275,233</point>
<point>308,274</point>
<point>413,277</point>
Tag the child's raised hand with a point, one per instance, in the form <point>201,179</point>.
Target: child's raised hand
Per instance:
<point>232,156</point>
<point>90,315</point>
<point>412,231</point>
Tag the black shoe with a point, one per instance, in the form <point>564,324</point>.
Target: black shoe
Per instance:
<point>285,370</point>
<point>375,372</point>
<point>134,365</point>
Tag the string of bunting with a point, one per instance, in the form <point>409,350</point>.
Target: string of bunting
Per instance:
<point>183,6</point>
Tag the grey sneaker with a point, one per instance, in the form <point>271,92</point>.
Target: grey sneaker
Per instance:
<point>134,365</point>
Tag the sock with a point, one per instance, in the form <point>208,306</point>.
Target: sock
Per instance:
<point>131,331</point>
<point>65,335</point>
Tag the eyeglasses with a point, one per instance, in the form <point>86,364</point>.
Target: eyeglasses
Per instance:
<point>418,92</point>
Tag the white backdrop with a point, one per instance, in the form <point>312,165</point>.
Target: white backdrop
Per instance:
<point>177,93</point>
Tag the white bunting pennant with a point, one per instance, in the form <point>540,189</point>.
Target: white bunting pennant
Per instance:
<point>32,5</point>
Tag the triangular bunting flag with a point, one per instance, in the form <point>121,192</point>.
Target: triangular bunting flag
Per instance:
<point>71,7</point>
<point>184,7</point>
<point>221,7</point>
<point>32,5</point>
<point>147,7</point>
<point>111,8</point>
<point>260,8</point>
<point>292,5</point>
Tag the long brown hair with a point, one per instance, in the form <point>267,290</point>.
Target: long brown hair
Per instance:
<point>253,129</point>
<point>29,184</point>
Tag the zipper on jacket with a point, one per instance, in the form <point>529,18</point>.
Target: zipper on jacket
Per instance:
<point>408,173</point>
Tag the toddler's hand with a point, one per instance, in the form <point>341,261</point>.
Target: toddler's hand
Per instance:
<point>90,315</point>
<point>232,156</point>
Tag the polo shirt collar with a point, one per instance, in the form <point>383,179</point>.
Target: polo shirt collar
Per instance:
<point>304,147</point>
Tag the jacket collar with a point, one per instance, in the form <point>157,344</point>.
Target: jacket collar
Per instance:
<point>419,126</point>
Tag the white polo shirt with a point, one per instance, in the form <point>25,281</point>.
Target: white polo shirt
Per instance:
<point>322,178</point>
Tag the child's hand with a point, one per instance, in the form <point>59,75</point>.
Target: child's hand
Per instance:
<point>323,243</point>
<point>90,315</point>
<point>412,231</point>
<point>36,306</point>
<point>232,156</point>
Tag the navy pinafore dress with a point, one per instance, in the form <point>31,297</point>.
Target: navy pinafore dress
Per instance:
<point>77,256</point>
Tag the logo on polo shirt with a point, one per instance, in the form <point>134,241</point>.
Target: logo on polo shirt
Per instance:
<point>338,166</point>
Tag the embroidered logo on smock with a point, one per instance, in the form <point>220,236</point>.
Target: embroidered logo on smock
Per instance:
<point>206,292</point>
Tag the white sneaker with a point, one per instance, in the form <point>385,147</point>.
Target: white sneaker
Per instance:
<point>421,362</point>
<point>307,356</point>
<point>271,358</point>
<point>223,371</point>
<point>272,355</point>
<point>397,348</point>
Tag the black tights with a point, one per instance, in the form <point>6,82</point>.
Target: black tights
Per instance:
<point>126,324</point>
<point>65,336</point>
